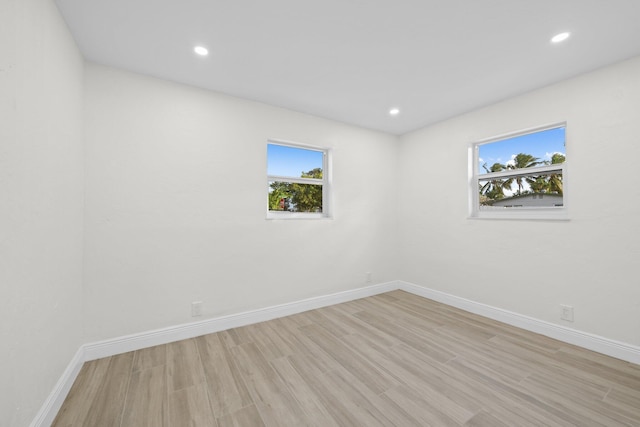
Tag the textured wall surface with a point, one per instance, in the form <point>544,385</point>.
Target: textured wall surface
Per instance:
<point>41,205</point>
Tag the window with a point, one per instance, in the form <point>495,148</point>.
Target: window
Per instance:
<point>297,181</point>
<point>519,175</point>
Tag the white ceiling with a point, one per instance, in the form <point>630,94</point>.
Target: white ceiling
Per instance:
<point>352,60</point>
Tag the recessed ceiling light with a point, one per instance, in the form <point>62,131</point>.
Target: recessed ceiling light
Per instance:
<point>200,50</point>
<point>394,111</point>
<point>560,37</point>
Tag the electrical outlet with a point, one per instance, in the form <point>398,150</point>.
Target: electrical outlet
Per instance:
<point>367,277</point>
<point>196,308</point>
<point>566,313</point>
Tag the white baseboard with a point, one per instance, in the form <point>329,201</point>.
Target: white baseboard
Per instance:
<point>111,347</point>
<point>619,350</point>
<point>54,402</point>
<point>133,342</point>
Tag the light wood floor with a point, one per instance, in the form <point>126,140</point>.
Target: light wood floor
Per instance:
<point>390,360</point>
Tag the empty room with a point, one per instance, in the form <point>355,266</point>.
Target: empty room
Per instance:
<point>330,213</point>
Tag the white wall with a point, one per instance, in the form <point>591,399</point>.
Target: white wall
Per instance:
<point>531,267</point>
<point>176,206</point>
<point>40,205</point>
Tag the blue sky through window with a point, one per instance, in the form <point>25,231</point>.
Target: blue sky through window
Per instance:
<point>291,161</point>
<point>541,144</point>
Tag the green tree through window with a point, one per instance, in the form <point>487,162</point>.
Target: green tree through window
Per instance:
<point>549,183</point>
<point>296,197</point>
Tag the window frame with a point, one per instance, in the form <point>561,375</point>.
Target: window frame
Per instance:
<point>325,182</point>
<point>558,213</point>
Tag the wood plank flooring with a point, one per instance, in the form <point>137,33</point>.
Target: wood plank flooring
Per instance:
<point>390,360</point>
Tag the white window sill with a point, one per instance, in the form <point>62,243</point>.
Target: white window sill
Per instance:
<point>296,215</point>
<point>541,214</point>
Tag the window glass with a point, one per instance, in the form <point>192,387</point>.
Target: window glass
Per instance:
<point>523,172</point>
<point>292,161</point>
<point>294,197</point>
<point>542,190</point>
<point>539,146</point>
<point>297,181</point>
